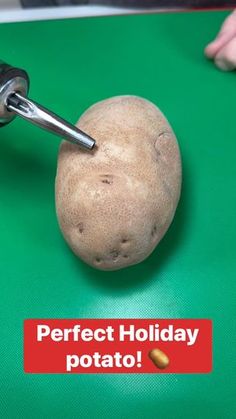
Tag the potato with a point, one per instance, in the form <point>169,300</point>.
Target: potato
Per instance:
<point>114,204</point>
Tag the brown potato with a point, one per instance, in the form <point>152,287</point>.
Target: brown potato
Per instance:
<point>114,204</point>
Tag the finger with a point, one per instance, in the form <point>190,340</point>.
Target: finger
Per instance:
<point>226,57</point>
<point>227,32</point>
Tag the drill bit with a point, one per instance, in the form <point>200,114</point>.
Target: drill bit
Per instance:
<point>44,118</point>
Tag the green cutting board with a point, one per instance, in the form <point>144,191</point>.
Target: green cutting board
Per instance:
<point>192,273</point>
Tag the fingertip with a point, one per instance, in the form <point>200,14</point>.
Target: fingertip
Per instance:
<point>210,50</point>
<point>223,65</point>
<point>214,47</point>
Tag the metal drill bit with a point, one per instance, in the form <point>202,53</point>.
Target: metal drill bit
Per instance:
<point>44,118</point>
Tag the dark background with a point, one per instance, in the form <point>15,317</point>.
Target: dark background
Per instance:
<point>133,3</point>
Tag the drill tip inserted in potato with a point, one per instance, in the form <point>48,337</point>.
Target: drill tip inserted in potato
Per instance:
<point>46,119</point>
<point>14,86</point>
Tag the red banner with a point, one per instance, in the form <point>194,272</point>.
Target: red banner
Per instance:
<point>118,346</point>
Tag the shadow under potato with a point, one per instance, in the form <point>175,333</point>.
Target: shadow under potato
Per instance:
<point>140,275</point>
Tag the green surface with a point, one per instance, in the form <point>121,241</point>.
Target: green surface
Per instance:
<point>73,64</point>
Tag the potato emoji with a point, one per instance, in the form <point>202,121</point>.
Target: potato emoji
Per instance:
<point>159,358</point>
<point>115,203</point>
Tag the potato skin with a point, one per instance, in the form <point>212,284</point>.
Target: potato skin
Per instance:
<point>114,204</point>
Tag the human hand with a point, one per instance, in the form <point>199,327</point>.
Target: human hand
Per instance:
<point>223,49</point>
